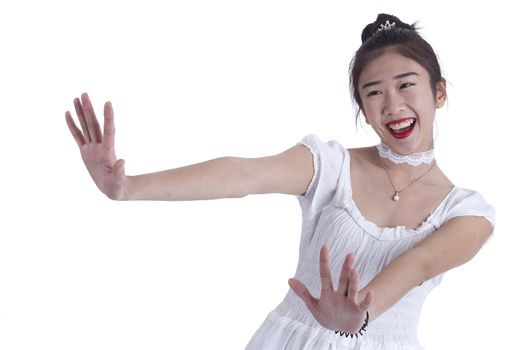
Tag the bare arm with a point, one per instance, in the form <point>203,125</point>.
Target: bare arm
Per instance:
<point>455,243</point>
<point>228,177</point>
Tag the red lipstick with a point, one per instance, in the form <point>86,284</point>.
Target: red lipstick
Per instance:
<point>401,133</point>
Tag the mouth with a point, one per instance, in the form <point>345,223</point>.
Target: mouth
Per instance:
<point>401,128</point>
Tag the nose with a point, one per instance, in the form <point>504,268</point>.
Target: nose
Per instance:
<point>394,103</point>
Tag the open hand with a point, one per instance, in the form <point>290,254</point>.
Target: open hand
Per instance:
<point>97,150</point>
<point>336,309</point>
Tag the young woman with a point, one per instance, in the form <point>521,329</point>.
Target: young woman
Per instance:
<point>386,217</point>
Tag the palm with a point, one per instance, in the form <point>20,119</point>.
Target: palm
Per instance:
<point>99,161</point>
<point>97,150</point>
<point>336,309</point>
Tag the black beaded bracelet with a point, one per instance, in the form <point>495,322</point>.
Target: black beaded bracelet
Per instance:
<point>358,333</point>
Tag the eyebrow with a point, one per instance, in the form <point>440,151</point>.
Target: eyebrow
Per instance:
<point>399,76</point>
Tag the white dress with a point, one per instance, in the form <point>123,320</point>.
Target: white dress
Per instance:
<point>330,216</point>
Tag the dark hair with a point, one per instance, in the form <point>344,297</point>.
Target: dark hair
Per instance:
<point>389,32</point>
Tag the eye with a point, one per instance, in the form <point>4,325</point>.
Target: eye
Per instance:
<point>406,85</point>
<point>373,93</point>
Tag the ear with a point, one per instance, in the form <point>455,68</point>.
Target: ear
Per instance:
<point>441,93</point>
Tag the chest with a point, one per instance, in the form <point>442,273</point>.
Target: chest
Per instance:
<point>373,195</point>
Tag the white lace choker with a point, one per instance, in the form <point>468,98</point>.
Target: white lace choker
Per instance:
<point>413,159</point>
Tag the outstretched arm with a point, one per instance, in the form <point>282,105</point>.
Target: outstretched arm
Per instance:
<point>455,243</point>
<point>228,177</point>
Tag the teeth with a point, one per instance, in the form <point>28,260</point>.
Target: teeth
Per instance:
<point>401,125</point>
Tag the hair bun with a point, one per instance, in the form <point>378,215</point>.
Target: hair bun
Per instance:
<point>384,21</point>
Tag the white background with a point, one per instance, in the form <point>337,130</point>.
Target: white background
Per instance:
<point>192,81</point>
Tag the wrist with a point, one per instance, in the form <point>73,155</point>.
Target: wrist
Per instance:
<point>359,332</point>
<point>128,189</point>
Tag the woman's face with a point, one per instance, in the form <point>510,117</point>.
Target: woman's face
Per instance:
<point>398,102</point>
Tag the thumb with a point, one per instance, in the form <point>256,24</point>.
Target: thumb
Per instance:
<point>302,292</point>
<point>367,301</point>
<point>118,167</point>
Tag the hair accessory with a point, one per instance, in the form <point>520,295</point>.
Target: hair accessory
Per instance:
<point>396,197</point>
<point>359,332</point>
<point>386,26</point>
<point>413,159</point>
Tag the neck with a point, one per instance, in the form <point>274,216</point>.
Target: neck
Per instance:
<point>404,166</point>
<point>404,171</point>
<point>414,159</point>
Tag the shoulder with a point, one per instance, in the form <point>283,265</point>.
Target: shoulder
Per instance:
<point>315,143</point>
<point>324,153</point>
<point>364,155</point>
<point>466,202</point>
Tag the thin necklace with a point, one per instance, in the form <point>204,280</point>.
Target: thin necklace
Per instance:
<point>398,192</point>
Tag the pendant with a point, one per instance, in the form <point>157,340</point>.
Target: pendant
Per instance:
<point>396,197</point>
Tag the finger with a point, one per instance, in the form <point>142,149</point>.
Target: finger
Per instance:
<point>324,269</point>
<point>77,134</point>
<point>91,119</point>
<point>353,285</point>
<point>82,119</point>
<point>344,277</point>
<point>367,301</point>
<point>109,126</point>
<point>302,292</point>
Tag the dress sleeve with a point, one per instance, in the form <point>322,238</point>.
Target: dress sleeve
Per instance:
<point>471,203</point>
<point>327,162</point>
